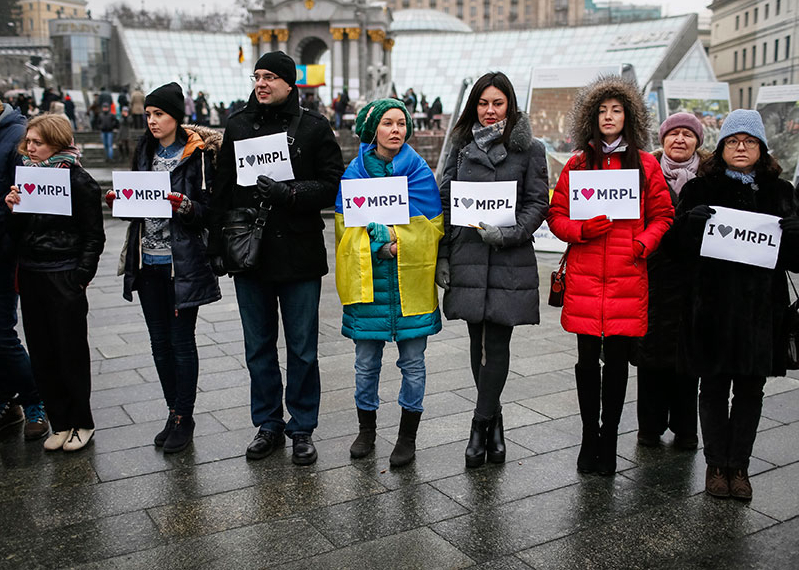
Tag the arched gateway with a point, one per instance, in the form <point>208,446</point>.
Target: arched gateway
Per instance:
<point>356,32</point>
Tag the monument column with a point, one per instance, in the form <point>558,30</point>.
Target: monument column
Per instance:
<point>387,45</point>
<point>375,54</point>
<point>337,73</point>
<point>255,39</point>
<point>266,42</point>
<point>353,70</point>
<point>282,35</point>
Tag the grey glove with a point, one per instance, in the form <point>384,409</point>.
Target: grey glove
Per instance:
<point>385,251</point>
<point>491,235</point>
<point>442,273</point>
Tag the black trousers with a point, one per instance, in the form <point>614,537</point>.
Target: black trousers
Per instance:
<point>489,350</point>
<point>54,309</point>
<point>666,400</point>
<point>729,432</point>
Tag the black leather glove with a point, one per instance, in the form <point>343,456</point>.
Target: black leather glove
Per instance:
<point>218,265</point>
<point>700,213</point>
<point>272,192</point>
<point>790,226</point>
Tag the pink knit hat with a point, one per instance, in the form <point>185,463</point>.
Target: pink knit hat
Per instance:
<point>682,120</point>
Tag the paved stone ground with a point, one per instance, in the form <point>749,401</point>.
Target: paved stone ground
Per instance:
<point>121,503</point>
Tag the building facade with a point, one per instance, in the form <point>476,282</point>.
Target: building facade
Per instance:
<point>484,15</point>
<point>81,53</point>
<point>752,44</point>
<point>35,15</point>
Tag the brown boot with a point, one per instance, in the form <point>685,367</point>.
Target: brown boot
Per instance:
<point>740,487</point>
<point>716,483</point>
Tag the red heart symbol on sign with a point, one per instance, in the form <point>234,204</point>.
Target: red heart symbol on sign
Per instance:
<point>359,201</point>
<point>587,192</point>
<point>29,187</point>
<point>127,192</point>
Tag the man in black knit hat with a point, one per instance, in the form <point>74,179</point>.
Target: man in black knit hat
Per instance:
<point>293,257</point>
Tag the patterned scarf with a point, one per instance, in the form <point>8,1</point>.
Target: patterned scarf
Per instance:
<point>62,159</point>
<point>742,176</point>
<point>485,137</point>
<point>678,173</point>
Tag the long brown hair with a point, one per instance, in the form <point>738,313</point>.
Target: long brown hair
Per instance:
<point>462,131</point>
<point>55,130</point>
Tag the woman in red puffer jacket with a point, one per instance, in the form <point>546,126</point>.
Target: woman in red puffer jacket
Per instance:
<point>606,278</point>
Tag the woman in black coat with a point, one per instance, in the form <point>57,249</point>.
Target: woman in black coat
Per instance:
<point>173,276</point>
<point>732,330</point>
<point>57,258</point>
<point>490,274</point>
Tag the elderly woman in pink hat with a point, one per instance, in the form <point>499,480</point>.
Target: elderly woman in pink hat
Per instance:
<point>666,398</point>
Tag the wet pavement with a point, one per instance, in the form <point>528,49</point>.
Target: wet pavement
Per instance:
<point>122,503</point>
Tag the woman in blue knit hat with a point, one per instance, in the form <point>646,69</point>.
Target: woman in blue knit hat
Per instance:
<point>732,331</point>
<point>385,275</point>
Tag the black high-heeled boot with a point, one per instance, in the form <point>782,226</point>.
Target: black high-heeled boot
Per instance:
<point>476,449</point>
<point>587,378</point>
<point>614,388</point>
<point>495,444</point>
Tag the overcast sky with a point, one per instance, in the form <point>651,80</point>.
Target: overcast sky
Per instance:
<point>670,8</point>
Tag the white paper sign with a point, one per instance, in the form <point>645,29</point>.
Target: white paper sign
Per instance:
<point>613,193</point>
<point>43,191</point>
<point>745,237</point>
<point>268,155</point>
<point>490,202</point>
<point>381,200</point>
<point>142,195</point>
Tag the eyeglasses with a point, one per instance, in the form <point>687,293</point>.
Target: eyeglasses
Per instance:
<point>267,77</point>
<point>732,143</point>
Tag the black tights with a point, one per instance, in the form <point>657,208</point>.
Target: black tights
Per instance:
<point>489,348</point>
<point>610,386</point>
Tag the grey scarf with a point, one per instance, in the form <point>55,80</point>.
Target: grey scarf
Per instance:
<point>678,173</point>
<point>486,137</point>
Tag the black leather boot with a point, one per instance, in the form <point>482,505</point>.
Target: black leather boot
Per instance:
<point>405,448</point>
<point>496,440</point>
<point>588,389</point>
<point>614,388</point>
<point>476,449</point>
<point>365,442</point>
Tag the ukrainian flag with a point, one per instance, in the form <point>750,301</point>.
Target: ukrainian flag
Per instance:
<point>310,75</point>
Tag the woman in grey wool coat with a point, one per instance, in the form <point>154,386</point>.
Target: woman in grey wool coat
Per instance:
<point>490,274</point>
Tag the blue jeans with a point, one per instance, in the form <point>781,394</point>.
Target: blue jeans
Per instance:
<point>16,376</point>
<point>171,337</point>
<point>108,144</point>
<point>299,306</point>
<point>369,361</point>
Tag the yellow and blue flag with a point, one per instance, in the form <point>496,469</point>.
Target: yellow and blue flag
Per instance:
<point>310,75</point>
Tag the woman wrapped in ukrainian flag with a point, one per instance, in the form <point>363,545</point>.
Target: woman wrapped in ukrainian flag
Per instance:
<point>385,276</point>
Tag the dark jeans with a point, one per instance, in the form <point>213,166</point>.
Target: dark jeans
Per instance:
<point>54,310</point>
<point>299,306</point>
<point>613,385</point>
<point>489,350</point>
<point>16,377</point>
<point>171,337</point>
<point>729,431</point>
<point>666,399</point>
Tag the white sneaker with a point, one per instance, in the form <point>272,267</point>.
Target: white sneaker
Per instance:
<point>78,438</point>
<point>56,440</point>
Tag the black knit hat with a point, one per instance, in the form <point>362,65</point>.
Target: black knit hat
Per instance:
<point>280,64</point>
<point>168,98</point>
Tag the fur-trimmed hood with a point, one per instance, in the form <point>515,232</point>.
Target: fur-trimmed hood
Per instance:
<point>211,140</point>
<point>521,138</point>
<point>584,114</point>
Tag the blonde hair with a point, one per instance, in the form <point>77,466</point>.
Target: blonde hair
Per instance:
<point>55,130</point>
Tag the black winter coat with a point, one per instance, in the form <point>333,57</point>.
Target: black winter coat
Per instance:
<point>195,283</point>
<point>733,317</point>
<point>499,285</point>
<point>12,129</point>
<point>79,237</point>
<point>294,247</point>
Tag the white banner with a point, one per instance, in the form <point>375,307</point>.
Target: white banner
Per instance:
<point>613,193</point>
<point>490,202</point>
<point>267,155</point>
<point>745,237</point>
<point>43,190</point>
<point>380,200</point>
<point>142,195</point>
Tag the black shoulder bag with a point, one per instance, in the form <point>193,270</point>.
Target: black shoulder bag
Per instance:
<point>243,228</point>
<point>557,287</point>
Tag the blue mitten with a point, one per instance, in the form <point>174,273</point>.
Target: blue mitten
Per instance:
<point>378,232</point>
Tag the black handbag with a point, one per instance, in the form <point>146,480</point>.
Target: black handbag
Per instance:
<point>792,329</point>
<point>557,285</point>
<point>243,228</point>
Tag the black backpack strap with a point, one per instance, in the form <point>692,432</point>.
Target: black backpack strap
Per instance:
<point>295,124</point>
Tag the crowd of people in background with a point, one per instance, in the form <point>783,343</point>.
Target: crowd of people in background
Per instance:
<point>637,291</point>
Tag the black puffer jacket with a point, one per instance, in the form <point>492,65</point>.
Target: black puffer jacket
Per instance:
<point>499,285</point>
<point>294,247</point>
<point>79,237</point>
<point>733,318</point>
<point>195,283</point>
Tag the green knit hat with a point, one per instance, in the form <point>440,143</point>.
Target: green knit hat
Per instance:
<point>369,117</point>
